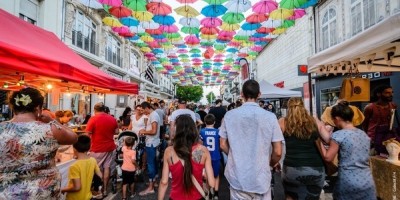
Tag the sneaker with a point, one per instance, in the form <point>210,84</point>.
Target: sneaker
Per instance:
<point>132,195</point>
<point>146,192</point>
<point>98,196</point>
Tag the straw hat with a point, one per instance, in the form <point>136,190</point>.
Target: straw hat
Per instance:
<point>357,119</point>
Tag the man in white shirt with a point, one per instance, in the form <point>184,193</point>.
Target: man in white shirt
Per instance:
<point>182,110</point>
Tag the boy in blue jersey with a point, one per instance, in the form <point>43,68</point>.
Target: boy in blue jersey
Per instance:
<point>210,137</point>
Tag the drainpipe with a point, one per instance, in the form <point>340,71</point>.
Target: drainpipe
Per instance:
<point>310,87</point>
<point>63,21</point>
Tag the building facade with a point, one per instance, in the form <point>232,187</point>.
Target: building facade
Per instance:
<point>339,21</point>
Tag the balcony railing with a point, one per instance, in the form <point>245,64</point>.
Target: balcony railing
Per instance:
<point>113,57</point>
<point>85,43</point>
<point>166,90</point>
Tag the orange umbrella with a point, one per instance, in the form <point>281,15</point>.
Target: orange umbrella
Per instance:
<point>120,11</point>
<point>159,8</point>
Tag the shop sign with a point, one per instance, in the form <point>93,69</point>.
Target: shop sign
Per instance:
<point>302,70</point>
<point>280,84</point>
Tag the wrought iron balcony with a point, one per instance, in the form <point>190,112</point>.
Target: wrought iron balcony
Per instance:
<point>85,43</point>
<point>113,57</point>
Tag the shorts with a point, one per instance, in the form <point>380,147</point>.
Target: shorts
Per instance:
<point>239,195</point>
<point>216,165</point>
<point>103,159</point>
<point>128,177</point>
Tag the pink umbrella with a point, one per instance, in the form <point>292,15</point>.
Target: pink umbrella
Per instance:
<point>218,60</point>
<point>192,39</point>
<point>234,44</point>
<point>154,31</point>
<point>111,2</point>
<point>122,29</point>
<point>152,58</point>
<point>197,63</point>
<point>254,39</point>
<point>298,13</point>
<point>162,40</point>
<point>196,60</point>
<point>256,48</point>
<point>265,7</point>
<point>168,67</point>
<point>172,55</point>
<point>182,51</point>
<point>176,63</point>
<point>225,38</point>
<point>169,29</point>
<point>226,33</point>
<point>149,54</point>
<point>265,30</point>
<point>209,30</point>
<point>220,55</point>
<point>211,22</point>
<point>154,44</point>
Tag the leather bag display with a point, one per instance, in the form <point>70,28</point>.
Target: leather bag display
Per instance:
<point>355,89</point>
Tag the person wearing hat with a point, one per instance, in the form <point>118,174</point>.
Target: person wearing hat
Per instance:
<point>182,110</point>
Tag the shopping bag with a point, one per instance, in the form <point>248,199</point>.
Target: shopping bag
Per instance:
<point>355,89</point>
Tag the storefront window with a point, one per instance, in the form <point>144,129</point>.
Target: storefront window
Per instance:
<point>29,10</point>
<point>329,35</point>
<point>329,97</point>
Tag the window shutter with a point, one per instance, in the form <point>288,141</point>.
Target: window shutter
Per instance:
<point>29,8</point>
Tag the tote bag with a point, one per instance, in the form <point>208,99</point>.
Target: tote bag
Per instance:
<point>355,89</point>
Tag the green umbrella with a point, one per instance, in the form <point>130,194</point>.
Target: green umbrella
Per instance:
<point>195,50</point>
<point>190,30</point>
<point>215,2</point>
<point>183,56</point>
<point>241,37</point>
<point>106,8</point>
<point>172,35</point>
<point>291,4</point>
<point>287,23</point>
<point>229,60</point>
<point>207,64</point>
<point>233,18</point>
<point>137,5</point>
<point>207,44</point>
<point>141,44</point>
<point>219,46</point>
<point>253,53</point>
<point>163,59</point>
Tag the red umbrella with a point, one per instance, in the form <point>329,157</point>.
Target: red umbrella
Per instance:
<point>169,29</point>
<point>265,30</point>
<point>234,44</point>
<point>209,30</point>
<point>225,38</point>
<point>126,34</point>
<point>120,11</point>
<point>211,22</point>
<point>226,33</point>
<point>154,31</point>
<point>159,8</point>
<point>256,18</point>
<point>154,44</point>
<point>186,1</point>
<point>192,39</point>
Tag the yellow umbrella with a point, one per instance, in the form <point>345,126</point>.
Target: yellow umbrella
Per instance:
<point>143,15</point>
<point>279,31</point>
<point>175,39</point>
<point>147,38</point>
<point>281,13</point>
<point>220,51</point>
<point>208,37</point>
<point>186,11</point>
<point>145,49</point>
<point>230,27</point>
<point>168,46</point>
<point>250,57</point>
<point>111,21</point>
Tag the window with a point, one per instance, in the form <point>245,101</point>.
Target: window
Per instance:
<point>29,10</point>
<point>363,15</point>
<point>134,62</point>
<point>84,33</point>
<point>113,50</point>
<point>329,35</point>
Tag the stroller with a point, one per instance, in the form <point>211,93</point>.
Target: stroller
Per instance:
<point>139,147</point>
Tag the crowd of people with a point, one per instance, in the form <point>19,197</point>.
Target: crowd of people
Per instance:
<point>194,141</point>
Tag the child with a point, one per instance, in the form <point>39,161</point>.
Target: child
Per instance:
<point>81,172</point>
<point>128,167</point>
<point>210,138</point>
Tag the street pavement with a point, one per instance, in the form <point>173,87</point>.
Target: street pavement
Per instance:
<point>223,192</point>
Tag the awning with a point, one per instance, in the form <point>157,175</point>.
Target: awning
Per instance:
<point>376,49</point>
<point>39,56</point>
<point>268,91</point>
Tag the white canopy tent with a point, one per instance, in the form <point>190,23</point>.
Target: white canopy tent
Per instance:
<point>269,91</point>
<point>376,49</point>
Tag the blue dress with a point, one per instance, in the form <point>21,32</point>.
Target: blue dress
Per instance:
<point>354,175</point>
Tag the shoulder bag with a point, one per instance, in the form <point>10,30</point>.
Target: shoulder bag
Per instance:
<point>330,167</point>
<point>197,185</point>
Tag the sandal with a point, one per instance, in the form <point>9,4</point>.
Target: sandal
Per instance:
<point>145,193</point>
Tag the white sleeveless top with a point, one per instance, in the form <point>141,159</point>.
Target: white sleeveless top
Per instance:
<point>138,125</point>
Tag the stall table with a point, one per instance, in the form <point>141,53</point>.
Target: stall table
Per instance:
<point>387,178</point>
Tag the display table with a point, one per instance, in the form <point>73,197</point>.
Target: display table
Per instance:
<point>387,178</point>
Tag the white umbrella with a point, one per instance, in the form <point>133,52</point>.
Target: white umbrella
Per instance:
<point>189,22</point>
<point>246,33</point>
<point>238,6</point>
<point>272,23</point>
<point>137,29</point>
<point>149,25</point>
<point>92,4</point>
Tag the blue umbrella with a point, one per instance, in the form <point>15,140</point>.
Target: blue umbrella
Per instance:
<point>136,37</point>
<point>218,64</point>
<point>213,10</point>
<point>156,51</point>
<point>155,62</point>
<point>164,20</point>
<point>195,55</point>
<point>259,35</point>
<point>221,41</point>
<point>261,43</point>
<point>309,3</point>
<point>182,46</point>
<point>129,21</point>
<point>232,50</point>
<point>158,36</point>
<point>249,26</point>
<point>174,60</point>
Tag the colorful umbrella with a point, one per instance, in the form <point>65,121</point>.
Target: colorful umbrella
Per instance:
<point>186,1</point>
<point>213,10</point>
<point>192,39</point>
<point>137,5</point>
<point>143,15</point>
<point>287,23</point>
<point>250,26</point>
<point>279,31</point>
<point>154,31</point>
<point>281,13</point>
<point>195,50</point>
<point>164,19</point>
<point>147,38</point>
<point>256,18</point>
<point>298,13</point>
<point>246,33</point>
<point>211,22</point>
<point>265,7</point>
<point>215,2</point>
<point>238,6</point>
<point>265,30</point>
<point>229,27</point>
<point>272,23</point>
<point>226,33</point>
<point>209,30</point>
<point>137,29</point>
<point>189,22</point>
<point>159,8</point>
<point>122,29</point>
<point>190,30</point>
<point>169,29</point>
<point>233,18</point>
<point>111,21</point>
<point>145,49</point>
<point>186,11</point>
<point>149,25</point>
<point>208,36</point>
<point>120,11</point>
<point>291,4</point>
<point>129,21</point>
<point>309,3</point>
<point>111,2</point>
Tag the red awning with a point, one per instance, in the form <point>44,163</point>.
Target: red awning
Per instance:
<point>28,50</point>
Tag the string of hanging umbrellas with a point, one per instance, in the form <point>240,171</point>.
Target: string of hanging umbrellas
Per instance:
<point>206,51</point>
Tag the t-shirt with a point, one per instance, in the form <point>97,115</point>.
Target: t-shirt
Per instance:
<point>102,127</point>
<point>210,138</point>
<point>219,113</point>
<point>83,170</point>
<point>161,113</point>
<point>185,111</point>
<point>129,157</point>
<point>153,140</point>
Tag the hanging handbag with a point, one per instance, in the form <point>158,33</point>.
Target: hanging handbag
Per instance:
<point>330,167</point>
<point>355,88</point>
<point>196,184</point>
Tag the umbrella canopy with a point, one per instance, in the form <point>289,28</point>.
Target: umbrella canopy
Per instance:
<point>298,13</point>
<point>291,4</point>
<point>143,15</point>
<point>111,21</point>
<point>215,2</point>
<point>281,13</point>
<point>190,30</point>
<point>238,6</point>
<point>213,10</point>
<point>211,22</point>
<point>137,5</point>
<point>120,11</point>
<point>265,6</point>
<point>233,18</point>
<point>186,11</point>
<point>189,22</point>
<point>159,8</point>
<point>250,26</point>
<point>164,19</point>
<point>111,2</point>
<point>129,21</point>
<point>256,18</point>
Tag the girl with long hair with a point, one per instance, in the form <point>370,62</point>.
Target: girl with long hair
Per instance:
<point>303,167</point>
<point>186,158</point>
